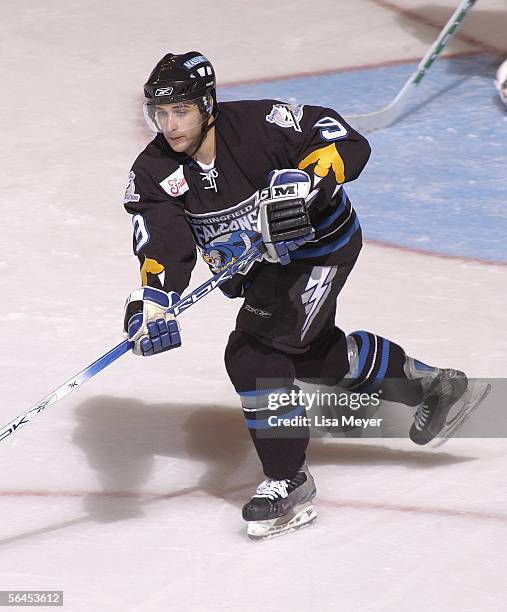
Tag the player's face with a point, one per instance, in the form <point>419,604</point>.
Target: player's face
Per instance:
<point>181,124</point>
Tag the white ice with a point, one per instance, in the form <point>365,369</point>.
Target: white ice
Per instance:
<point>127,494</point>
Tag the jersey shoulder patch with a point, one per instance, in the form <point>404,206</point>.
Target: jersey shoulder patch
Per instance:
<point>130,192</point>
<point>286,115</point>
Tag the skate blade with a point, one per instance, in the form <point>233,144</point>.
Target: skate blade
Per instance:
<point>300,516</point>
<point>472,399</point>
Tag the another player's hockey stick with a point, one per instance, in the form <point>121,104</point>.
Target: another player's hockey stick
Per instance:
<point>249,256</point>
<point>389,114</point>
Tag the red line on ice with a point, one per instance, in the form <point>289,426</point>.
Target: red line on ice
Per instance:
<point>351,68</point>
<point>358,505</point>
<point>462,258</point>
<point>471,40</point>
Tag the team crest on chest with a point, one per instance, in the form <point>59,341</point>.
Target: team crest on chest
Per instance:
<point>286,116</point>
<point>222,236</point>
<point>175,184</point>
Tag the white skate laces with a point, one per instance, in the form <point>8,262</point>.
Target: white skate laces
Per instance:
<point>421,416</point>
<point>273,489</point>
<point>280,506</point>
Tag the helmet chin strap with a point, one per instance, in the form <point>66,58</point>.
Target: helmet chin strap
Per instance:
<point>205,129</point>
<point>165,146</point>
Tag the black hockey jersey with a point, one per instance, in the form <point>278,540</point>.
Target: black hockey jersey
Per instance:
<point>176,204</point>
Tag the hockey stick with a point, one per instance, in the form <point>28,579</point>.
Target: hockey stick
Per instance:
<point>384,117</point>
<point>248,257</point>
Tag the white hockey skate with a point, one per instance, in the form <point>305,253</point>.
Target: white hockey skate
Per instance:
<point>281,506</point>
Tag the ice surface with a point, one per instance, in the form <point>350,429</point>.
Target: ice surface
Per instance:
<point>127,494</point>
<point>424,196</point>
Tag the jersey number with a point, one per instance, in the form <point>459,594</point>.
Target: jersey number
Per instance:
<point>331,129</point>
<point>141,234</point>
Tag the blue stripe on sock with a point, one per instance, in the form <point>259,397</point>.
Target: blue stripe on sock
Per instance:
<point>369,385</point>
<point>363,353</point>
<point>383,362</point>
<point>256,392</point>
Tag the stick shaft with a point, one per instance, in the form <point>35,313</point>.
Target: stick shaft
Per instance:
<point>384,117</point>
<point>248,257</point>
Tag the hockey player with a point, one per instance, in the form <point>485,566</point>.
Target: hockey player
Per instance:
<point>220,176</point>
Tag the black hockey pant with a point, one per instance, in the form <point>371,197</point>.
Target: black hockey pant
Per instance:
<point>285,330</point>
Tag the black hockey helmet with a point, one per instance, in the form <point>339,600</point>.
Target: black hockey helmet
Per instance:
<point>180,78</point>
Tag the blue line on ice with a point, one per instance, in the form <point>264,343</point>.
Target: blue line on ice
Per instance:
<point>437,180</point>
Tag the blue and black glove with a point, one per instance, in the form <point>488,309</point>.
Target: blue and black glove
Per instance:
<point>283,220</point>
<point>147,324</point>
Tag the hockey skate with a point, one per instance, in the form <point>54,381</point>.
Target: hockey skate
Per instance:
<point>449,401</point>
<point>281,506</point>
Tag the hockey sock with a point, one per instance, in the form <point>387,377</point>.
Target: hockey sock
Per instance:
<point>273,413</point>
<point>378,363</point>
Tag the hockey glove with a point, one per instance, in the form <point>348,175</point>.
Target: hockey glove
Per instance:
<point>283,219</point>
<point>147,324</point>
